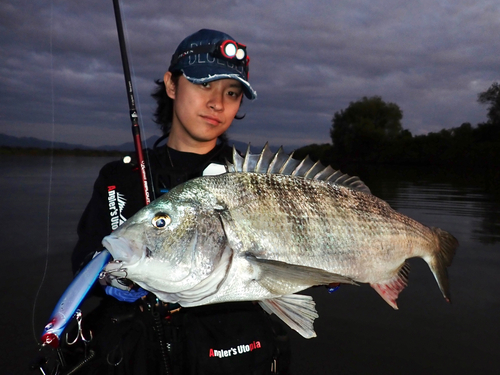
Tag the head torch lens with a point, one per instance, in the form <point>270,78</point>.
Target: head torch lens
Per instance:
<point>231,50</point>
<point>240,54</point>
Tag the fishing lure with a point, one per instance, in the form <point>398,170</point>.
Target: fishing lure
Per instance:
<point>71,299</point>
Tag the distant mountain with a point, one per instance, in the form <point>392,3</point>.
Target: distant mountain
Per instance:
<point>31,142</point>
<point>129,146</point>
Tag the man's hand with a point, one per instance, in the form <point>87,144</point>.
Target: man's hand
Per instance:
<point>131,295</point>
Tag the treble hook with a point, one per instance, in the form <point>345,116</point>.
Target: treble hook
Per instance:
<point>115,275</point>
<point>78,317</point>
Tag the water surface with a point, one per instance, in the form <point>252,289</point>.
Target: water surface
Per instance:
<point>358,333</point>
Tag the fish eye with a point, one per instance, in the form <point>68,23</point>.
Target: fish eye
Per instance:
<point>161,221</point>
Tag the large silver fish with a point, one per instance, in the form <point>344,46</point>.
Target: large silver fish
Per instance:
<point>270,227</point>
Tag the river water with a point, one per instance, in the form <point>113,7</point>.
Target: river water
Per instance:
<point>358,333</point>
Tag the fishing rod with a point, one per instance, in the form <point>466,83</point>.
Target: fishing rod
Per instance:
<point>140,157</point>
<point>75,293</point>
<point>136,131</point>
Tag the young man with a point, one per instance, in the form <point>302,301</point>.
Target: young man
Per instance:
<point>134,332</point>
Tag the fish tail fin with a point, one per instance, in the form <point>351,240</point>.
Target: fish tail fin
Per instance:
<point>442,258</point>
<point>390,289</point>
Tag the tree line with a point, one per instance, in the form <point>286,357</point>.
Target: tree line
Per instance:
<point>369,131</point>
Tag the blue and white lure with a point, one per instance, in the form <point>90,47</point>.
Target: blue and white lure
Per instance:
<point>72,298</point>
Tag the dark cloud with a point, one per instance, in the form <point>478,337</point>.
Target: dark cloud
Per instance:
<point>61,73</point>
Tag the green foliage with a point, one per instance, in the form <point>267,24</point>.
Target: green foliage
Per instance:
<point>492,98</point>
<point>464,147</point>
<point>369,131</point>
<point>316,152</point>
<point>365,129</point>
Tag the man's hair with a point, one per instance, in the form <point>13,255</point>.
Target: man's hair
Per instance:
<point>165,106</point>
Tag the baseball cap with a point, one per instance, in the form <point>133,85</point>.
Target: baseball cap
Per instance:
<point>210,55</point>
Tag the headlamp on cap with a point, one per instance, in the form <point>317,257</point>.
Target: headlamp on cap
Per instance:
<point>230,50</point>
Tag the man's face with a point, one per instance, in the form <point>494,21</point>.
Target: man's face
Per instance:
<point>202,112</point>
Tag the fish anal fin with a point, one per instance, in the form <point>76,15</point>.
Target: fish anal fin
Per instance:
<point>282,278</point>
<point>390,289</point>
<point>298,311</point>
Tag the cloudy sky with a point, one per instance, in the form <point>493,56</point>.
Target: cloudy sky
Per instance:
<point>61,75</point>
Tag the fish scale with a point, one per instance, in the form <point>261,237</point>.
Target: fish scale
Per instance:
<point>269,228</point>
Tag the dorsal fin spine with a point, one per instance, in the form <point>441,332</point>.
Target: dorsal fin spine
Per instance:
<point>324,173</point>
<point>246,160</point>
<point>290,161</point>
<point>296,171</point>
<point>261,158</point>
<point>314,170</point>
<point>274,161</point>
<point>280,163</point>
<point>265,156</point>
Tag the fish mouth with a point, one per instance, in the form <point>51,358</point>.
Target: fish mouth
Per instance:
<point>120,249</point>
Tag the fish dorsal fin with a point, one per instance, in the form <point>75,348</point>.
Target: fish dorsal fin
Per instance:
<point>282,163</point>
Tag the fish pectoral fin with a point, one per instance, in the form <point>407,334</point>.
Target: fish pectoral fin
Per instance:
<point>298,311</point>
<point>390,289</point>
<point>284,278</point>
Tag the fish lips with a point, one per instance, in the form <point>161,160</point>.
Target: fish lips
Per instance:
<point>120,249</point>
<point>129,260</point>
